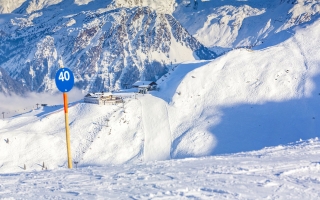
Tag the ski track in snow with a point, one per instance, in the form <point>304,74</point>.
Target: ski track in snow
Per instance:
<point>93,131</point>
<point>157,128</point>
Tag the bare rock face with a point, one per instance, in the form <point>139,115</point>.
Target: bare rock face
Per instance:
<point>106,48</point>
<point>8,86</point>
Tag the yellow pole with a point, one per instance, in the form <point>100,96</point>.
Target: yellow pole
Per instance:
<point>65,101</point>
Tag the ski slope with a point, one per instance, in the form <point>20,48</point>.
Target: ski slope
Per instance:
<point>281,172</point>
<point>245,100</point>
<point>157,129</point>
<point>112,134</point>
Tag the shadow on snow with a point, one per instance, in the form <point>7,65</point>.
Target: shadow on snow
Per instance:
<point>249,127</point>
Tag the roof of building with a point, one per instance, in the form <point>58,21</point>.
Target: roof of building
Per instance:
<point>98,94</point>
<point>144,86</point>
<point>139,83</point>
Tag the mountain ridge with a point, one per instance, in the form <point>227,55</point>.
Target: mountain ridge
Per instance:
<point>91,38</point>
<point>105,48</point>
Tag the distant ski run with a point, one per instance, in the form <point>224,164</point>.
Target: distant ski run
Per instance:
<point>156,127</point>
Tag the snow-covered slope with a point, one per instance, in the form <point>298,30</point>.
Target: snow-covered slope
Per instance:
<point>249,99</point>
<point>29,6</point>
<point>162,6</point>
<point>266,174</point>
<point>244,100</point>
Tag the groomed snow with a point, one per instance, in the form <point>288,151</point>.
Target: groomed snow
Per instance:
<point>282,172</point>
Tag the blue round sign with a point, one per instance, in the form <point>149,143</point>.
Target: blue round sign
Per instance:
<point>64,79</point>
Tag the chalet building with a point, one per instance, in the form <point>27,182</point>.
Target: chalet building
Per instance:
<point>144,86</point>
<point>102,98</point>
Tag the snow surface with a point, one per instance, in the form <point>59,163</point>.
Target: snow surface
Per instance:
<point>282,172</point>
<point>157,129</point>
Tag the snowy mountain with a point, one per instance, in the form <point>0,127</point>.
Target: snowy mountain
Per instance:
<point>254,24</point>
<point>244,100</point>
<point>106,48</point>
<point>110,44</point>
<point>7,6</point>
<point>30,6</point>
<point>9,86</point>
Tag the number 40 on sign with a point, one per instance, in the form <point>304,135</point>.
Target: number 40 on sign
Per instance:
<point>64,76</point>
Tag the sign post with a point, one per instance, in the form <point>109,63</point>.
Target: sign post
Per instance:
<point>64,80</point>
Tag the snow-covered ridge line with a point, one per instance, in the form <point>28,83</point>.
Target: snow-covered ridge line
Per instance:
<point>30,6</point>
<point>106,49</point>
<point>257,24</point>
<point>161,6</point>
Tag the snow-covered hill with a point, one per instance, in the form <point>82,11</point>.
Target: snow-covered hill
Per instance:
<point>249,99</point>
<point>202,108</point>
<point>266,174</point>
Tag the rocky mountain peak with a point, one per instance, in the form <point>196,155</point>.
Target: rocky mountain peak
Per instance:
<point>106,48</point>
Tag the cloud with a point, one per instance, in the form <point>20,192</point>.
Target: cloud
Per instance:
<point>14,104</point>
